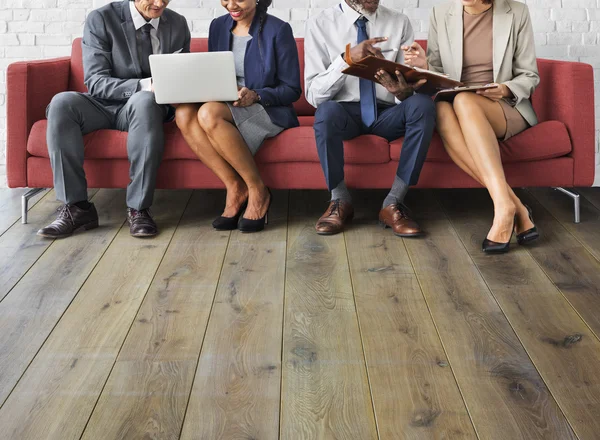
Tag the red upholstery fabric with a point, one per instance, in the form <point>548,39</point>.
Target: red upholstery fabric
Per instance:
<point>30,87</point>
<point>110,144</point>
<point>566,94</point>
<point>532,144</point>
<point>298,145</point>
<point>303,108</point>
<point>294,145</point>
<point>557,152</point>
<point>193,174</point>
<point>76,76</point>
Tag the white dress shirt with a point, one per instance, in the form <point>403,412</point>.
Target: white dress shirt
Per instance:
<point>325,40</point>
<point>138,22</point>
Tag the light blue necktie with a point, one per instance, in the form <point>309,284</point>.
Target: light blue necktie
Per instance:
<point>368,106</point>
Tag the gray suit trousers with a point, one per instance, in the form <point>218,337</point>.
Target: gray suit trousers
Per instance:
<point>72,115</point>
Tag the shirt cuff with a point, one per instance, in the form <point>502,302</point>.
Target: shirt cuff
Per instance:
<point>145,85</point>
<point>339,64</point>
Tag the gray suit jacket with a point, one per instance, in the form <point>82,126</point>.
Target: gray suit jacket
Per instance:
<point>111,64</point>
<point>514,49</point>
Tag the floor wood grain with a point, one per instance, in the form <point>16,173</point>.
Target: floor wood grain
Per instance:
<point>325,391</point>
<point>561,207</point>
<point>10,206</point>
<point>285,334</point>
<point>20,247</point>
<point>592,195</point>
<point>402,347</point>
<point>505,395</point>
<point>71,368</point>
<point>29,313</point>
<point>544,321</point>
<point>567,263</point>
<point>236,392</point>
<point>148,390</point>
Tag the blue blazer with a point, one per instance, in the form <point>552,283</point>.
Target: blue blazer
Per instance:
<point>271,66</point>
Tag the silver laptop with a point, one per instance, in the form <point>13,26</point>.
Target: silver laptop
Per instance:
<point>193,77</point>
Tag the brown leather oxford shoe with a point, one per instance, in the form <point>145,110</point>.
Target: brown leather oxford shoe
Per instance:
<point>398,217</point>
<point>141,224</point>
<point>70,219</point>
<point>336,217</point>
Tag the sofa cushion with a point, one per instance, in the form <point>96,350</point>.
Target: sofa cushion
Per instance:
<point>298,145</point>
<point>544,141</point>
<point>110,144</point>
<point>293,145</point>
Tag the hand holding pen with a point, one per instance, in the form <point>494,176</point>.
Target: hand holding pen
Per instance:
<point>367,48</point>
<point>414,55</point>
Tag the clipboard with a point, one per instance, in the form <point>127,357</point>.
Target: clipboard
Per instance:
<point>448,95</point>
<point>367,67</point>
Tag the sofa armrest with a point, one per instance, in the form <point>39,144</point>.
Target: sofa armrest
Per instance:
<point>30,85</point>
<point>566,94</point>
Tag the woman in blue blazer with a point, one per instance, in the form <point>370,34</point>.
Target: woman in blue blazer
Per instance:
<point>224,135</point>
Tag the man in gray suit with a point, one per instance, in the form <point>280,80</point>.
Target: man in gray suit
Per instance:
<point>117,41</point>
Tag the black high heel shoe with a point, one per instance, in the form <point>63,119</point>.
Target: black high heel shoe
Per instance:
<point>229,223</point>
<point>247,225</point>
<point>530,234</point>
<point>492,247</point>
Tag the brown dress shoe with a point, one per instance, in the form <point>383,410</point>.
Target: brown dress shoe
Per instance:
<point>397,217</point>
<point>70,219</point>
<point>335,218</point>
<point>141,223</point>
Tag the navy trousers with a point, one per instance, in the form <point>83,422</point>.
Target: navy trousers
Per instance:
<point>413,118</point>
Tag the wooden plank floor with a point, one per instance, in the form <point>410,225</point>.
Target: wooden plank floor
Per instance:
<point>199,334</point>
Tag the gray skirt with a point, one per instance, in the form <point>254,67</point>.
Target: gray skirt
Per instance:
<point>254,124</point>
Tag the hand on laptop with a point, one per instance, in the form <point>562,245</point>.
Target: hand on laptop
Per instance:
<point>246,97</point>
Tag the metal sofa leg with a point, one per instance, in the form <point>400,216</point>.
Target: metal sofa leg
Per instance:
<point>25,201</point>
<point>575,198</point>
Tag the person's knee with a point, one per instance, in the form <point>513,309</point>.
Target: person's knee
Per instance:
<point>143,107</point>
<point>465,103</point>
<point>327,114</point>
<point>209,116</point>
<point>62,105</point>
<point>61,112</point>
<point>185,115</point>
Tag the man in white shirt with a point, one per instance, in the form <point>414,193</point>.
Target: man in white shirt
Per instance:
<point>117,40</point>
<point>348,106</point>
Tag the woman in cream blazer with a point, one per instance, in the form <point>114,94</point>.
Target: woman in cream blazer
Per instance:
<point>480,42</point>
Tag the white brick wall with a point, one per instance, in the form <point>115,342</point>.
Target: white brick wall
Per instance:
<point>32,29</point>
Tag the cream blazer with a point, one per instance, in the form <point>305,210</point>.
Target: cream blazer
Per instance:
<point>514,48</point>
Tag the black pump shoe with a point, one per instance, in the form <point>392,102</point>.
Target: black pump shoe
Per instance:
<point>247,225</point>
<point>492,247</point>
<point>229,223</point>
<point>529,235</point>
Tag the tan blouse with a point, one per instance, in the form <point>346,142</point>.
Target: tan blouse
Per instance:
<point>478,48</point>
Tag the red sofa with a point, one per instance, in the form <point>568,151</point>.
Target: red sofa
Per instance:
<point>558,152</point>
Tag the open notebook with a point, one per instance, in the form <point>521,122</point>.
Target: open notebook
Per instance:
<point>438,84</point>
